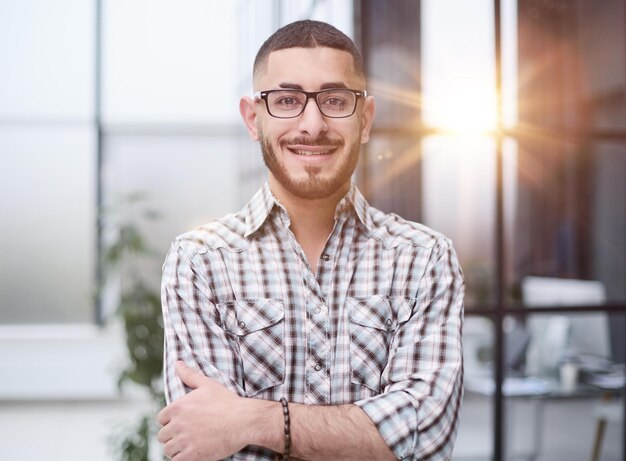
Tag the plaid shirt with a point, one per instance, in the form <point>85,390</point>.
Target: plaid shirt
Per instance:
<point>379,325</point>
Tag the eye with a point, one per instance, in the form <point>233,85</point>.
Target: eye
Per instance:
<point>335,102</point>
<point>287,100</point>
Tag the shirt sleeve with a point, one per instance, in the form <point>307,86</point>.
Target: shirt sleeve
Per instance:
<point>417,413</point>
<point>192,328</point>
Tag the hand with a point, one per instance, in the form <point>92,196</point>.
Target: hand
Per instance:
<point>204,424</point>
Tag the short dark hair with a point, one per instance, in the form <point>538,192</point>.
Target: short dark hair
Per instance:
<point>309,34</point>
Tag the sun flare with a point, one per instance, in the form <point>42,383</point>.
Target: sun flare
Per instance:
<point>469,109</point>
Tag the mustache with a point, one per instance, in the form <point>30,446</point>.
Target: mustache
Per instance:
<point>321,140</point>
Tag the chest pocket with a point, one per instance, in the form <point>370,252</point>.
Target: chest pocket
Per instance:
<point>373,322</point>
<point>259,328</point>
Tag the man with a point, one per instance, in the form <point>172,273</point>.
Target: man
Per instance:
<point>349,316</point>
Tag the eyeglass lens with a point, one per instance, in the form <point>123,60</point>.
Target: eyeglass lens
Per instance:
<point>291,103</point>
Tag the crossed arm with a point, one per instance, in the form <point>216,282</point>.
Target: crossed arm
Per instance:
<point>211,422</point>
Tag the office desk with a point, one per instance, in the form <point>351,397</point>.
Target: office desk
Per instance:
<point>526,417</point>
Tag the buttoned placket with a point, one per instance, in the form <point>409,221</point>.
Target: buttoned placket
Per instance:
<point>318,316</point>
<point>317,326</point>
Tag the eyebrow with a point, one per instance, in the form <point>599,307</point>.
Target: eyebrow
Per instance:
<point>324,86</point>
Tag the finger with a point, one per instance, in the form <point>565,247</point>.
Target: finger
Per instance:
<point>165,434</point>
<point>189,376</point>
<point>164,416</point>
<point>172,448</point>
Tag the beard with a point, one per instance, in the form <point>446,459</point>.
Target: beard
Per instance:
<point>314,186</point>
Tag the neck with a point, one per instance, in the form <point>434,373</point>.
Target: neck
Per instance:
<point>318,213</point>
<point>312,220</point>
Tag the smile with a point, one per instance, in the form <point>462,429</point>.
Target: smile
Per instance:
<point>308,152</point>
<point>311,151</point>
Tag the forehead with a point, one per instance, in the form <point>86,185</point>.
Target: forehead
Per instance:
<point>308,67</point>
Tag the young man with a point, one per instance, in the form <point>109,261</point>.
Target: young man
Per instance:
<point>349,316</point>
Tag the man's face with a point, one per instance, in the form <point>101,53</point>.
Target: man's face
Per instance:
<point>311,156</point>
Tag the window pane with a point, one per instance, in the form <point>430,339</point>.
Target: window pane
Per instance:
<point>608,217</point>
<point>475,437</point>
<point>508,62</point>
<point>338,12</point>
<point>458,72</point>
<point>572,64</point>
<point>48,224</point>
<point>570,213</point>
<point>602,41</point>
<point>47,54</point>
<point>458,199</point>
<point>187,74</point>
<point>188,179</point>
<point>391,44</point>
<point>389,175</point>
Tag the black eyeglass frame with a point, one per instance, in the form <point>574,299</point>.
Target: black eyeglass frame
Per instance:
<point>262,95</point>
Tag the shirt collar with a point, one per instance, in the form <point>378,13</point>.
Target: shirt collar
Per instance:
<point>354,200</point>
<point>258,209</point>
<point>263,202</point>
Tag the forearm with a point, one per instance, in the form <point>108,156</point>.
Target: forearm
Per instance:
<point>324,432</point>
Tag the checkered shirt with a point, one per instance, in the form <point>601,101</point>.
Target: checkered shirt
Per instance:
<point>379,324</point>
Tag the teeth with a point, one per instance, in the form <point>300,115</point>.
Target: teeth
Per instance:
<point>308,152</point>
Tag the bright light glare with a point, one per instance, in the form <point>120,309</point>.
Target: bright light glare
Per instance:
<point>458,87</point>
<point>468,108</point>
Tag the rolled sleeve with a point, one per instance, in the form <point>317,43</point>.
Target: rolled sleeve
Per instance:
<point>395,417</point>
<point>417,413</point>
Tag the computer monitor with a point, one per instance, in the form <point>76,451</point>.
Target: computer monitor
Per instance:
<point>553,335</point>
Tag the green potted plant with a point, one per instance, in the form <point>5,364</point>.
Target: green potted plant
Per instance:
<point>126,257</point>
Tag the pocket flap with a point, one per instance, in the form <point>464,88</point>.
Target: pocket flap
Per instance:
<point>243,316</point>
<point>380,312</point>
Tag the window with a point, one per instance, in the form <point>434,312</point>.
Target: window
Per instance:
<point>529,186</point>
<point>48,149</point>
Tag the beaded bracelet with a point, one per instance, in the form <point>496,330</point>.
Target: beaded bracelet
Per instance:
<point>283,402</point>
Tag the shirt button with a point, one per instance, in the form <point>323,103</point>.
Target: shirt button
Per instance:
<point>318,367</point>
<point>388,322</point>
<point>242,325</point>
<point>317,310</point>
<point>326,257</point>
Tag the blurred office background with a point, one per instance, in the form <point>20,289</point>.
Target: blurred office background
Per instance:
<point>501,123</point>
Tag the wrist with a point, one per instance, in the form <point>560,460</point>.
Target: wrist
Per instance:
<point>266,425</point>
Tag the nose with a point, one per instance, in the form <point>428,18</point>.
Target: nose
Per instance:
<point>311,120</point>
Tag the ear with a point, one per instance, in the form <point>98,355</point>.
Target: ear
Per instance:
<point>247,109</point>
<point>367,118</point>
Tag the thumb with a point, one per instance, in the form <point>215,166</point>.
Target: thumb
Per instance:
<point>189,376</point>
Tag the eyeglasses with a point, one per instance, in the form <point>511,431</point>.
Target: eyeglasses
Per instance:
<point>333,103</point>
